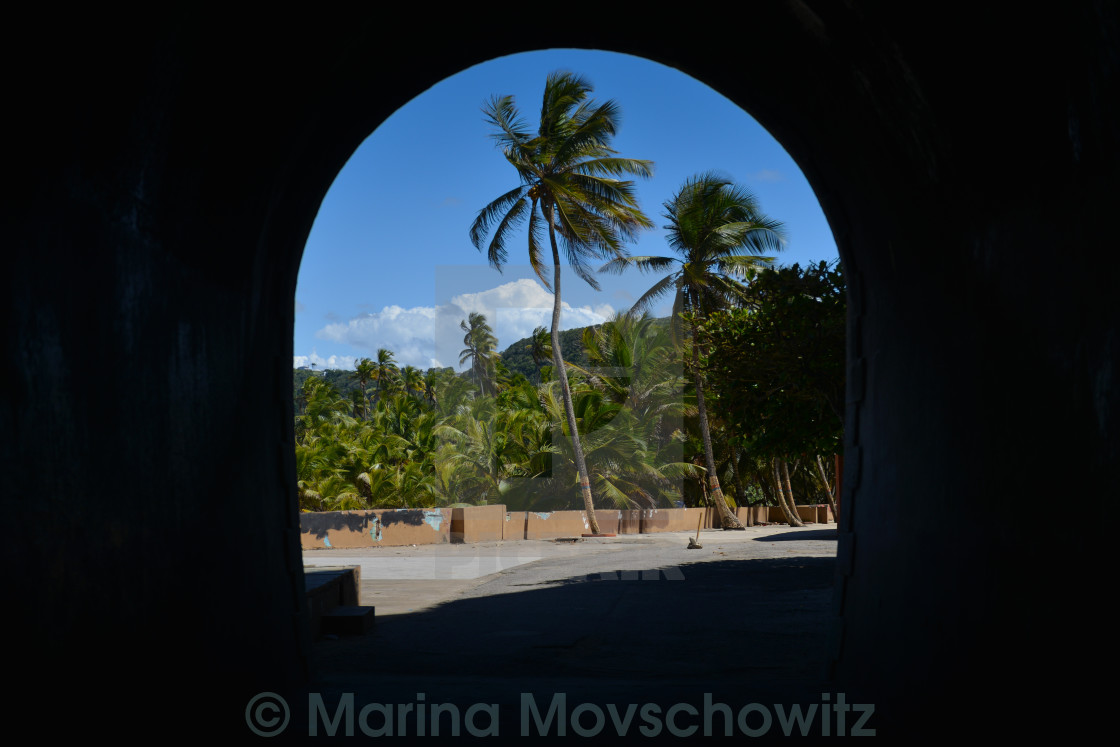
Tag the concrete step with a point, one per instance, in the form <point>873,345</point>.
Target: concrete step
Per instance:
<point>350,620</point>
<point>328,589</point>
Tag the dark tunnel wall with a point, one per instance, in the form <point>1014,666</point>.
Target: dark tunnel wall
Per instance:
<point>163,185</point>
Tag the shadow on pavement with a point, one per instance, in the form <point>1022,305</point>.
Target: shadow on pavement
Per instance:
<point>743,630</point>
<point>801,536</point>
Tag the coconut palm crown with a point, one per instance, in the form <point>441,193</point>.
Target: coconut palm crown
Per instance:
<point>568,186</point>
<point>720,236</point>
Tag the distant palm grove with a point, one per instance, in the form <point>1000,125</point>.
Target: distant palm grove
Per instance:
<point>736,399</point>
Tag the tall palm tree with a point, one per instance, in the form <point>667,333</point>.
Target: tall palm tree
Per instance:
<point>365,371</point>
<point>413,380</point>
<point>719,235</point>
<point>385,371</point>
<point>432,383</point>
<point>568,188</point>
<point>480,350</point>
<point>539,348</point>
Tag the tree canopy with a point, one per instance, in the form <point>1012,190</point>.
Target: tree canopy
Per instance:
<point>778,362</point>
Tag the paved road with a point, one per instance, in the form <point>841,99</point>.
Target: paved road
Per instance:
<point>400,580</point>
<point>746,618</point>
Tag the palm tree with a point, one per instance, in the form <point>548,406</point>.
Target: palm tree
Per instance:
<point>433,382</point>
<point>569,188</point>
<point>385,371</point>
<point>539,348</point>
<point>624,463</point>
<point>719,235</point>
<point>413,380</point>
<point>366,371</point>
<point>480,351</point>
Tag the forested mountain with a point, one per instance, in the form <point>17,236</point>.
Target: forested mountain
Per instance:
<point>519,360</point>
<point>516,358</point>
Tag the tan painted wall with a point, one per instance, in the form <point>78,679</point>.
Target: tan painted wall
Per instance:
<point>629,522</point>
<point>478,523</point>
<point>673,519</point>
<point>807,513</point>
<point>394,527</point>
<point>554,524</point>
<point>819,514</point>
<point>762,514</point>
<point>608,520</point>
<point>379,527</point>
<point>513,528</point>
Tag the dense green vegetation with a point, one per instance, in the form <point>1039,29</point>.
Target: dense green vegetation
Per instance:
<point>777,365</point>
<point>442,441</point>
<point>741,386</point>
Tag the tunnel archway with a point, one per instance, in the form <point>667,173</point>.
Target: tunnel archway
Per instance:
<point>175,175</point>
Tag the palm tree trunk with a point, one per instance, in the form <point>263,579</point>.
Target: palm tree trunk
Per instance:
<point>827,490</point>
<point>775,474</point>
<point>776,482</point>
<point>727,519</point>
<point>789,492</point>
<point>565,390</point>
<point>839,484</point>
<point>767,493</point>
<point>739,486</point>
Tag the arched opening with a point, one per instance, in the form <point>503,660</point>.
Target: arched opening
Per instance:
<point>389,252</point>
<point>432,166</point>
<point>176,175</point>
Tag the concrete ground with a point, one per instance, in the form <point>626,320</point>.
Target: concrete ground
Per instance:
<point>534,624</point>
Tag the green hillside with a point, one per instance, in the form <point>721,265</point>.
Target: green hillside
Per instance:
<point>516,358</point>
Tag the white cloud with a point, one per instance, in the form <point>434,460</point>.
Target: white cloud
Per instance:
<point>425,336</point>
<point>334,361</point>
<point>409,333</point>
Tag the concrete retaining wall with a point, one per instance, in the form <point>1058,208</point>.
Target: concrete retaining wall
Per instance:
<point>807,513</point>
<point>629,522</point>
<point>554,524</point>
<point>674,519</point>
<point>414,526</point>
<point>514,526</point>
<point>379,527</point>
<point>817,513</point>
<point>478,524</point>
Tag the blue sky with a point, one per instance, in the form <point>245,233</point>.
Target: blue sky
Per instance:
<point>389,262</point>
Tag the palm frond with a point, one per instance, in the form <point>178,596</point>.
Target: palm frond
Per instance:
<point>646,263</point>
<point>513,135</point>
<point>659,289</point>
<point>609,166</point>
<point>742,266</point>
<point>536,252</point>
<point>500,207</point>
<point>497,253</point>
<point>563,91</point>
<point>607,195</point>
